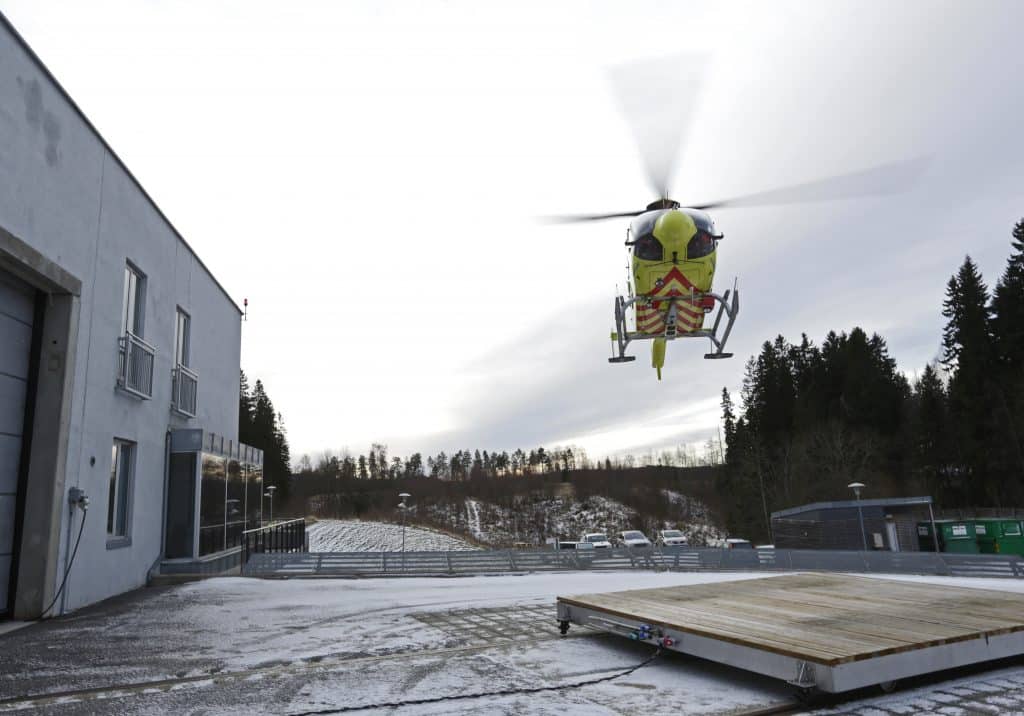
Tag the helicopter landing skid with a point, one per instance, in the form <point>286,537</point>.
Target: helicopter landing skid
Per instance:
<point>728,308</point>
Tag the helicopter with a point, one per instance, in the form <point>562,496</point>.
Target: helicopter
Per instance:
<point>673,248</point>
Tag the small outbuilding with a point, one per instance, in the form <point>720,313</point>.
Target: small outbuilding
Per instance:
<point>888,524</point>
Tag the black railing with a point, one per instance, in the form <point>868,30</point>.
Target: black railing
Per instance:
<point>287,536</point>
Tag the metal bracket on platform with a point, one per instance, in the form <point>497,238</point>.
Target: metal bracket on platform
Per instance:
<point>804,676</point>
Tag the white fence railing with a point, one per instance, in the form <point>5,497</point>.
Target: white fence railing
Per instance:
<point>659,558</point>
<point>184,390</point>
<point>135,366</point>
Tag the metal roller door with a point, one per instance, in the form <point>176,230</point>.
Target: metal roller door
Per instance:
<point>17,301</point>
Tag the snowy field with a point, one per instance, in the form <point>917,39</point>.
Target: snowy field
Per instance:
<point>248,646</point>
<point>358,536</point>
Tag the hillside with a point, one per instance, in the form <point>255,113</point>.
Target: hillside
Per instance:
<point>360,536</point>
<point>531,508</point>
<point>533,520</point>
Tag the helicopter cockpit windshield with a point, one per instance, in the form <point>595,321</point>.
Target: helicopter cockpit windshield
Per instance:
<point>645,246</point>
<point>706,239</point>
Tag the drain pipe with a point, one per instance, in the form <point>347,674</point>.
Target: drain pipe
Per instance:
<point>67,554</point>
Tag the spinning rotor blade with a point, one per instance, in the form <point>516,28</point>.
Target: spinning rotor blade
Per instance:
<point>658,98</point>
<point>883,179</point>
<point>576,218</point>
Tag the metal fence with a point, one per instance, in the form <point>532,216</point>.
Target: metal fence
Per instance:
<point>184,390</point>
<point>283,539</point>
<point>680,559</point>
<point>135,365</point>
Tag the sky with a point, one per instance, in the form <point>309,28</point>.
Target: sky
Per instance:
<point>370,176</point>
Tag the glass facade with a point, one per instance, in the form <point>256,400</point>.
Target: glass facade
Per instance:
<point>213,494</point>
<point>234,508</point>
<point>212,497</point>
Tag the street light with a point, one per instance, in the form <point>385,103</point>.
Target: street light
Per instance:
<point>403,507</point>
<point>857,487</point>
<point>270,493</point>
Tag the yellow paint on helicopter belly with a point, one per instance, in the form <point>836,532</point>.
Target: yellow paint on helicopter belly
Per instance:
<point>688,280</point>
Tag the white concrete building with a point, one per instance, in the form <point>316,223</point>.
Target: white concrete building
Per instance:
<point>113,338</point>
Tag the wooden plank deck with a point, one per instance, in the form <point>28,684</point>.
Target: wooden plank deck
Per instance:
<point>829,619</point>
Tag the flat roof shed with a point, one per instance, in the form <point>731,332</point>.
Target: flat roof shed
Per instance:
<point>889,523</point>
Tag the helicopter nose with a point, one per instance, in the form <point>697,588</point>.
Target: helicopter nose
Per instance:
<point>674,229</point>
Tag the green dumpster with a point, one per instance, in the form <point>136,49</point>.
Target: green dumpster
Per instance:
<point>1000,536</point>
<point>958,536</point>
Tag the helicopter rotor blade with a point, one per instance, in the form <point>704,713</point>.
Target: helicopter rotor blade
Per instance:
<point>658,98</point>
<point>883,179</point>
<point>577,218</point>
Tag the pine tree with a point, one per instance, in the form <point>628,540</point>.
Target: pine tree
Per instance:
<point>728,421</point>
<point>245,410</point>
<point>932,455</point>
<point>1008,340</point>
<point>968,353</point>
<point>1008,308</point>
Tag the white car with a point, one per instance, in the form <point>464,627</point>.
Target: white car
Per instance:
<point>598,539</point>
<point>737,543</point>
<point>670,537</point>
<point>731,543</point>
<point>633,538</point>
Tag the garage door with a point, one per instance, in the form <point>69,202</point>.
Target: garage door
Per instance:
<point>16,311</point>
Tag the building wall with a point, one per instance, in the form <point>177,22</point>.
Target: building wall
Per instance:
<point>69,198</point>
<point>839,529</point>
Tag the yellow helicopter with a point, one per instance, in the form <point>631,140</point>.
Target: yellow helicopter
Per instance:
<point>674,247</point>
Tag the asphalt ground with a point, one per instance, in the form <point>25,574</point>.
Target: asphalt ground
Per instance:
<point>190,650</point>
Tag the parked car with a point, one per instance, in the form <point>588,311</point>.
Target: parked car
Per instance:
<point>670,537</point>
<point>569,544</point>
<point>598,539</point>
<point>731,543</point>
<point>633,538</point>
<point>736,543</point>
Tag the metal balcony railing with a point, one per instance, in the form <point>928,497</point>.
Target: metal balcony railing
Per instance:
<point>281,537</point>
<point>135,366</point>
<point>184,387</point>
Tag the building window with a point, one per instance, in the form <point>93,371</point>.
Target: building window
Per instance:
<point>182,338</point>
<point>134,305</point>
<point>122,472</point>
<point>135,355</point>
<point>184,381</point>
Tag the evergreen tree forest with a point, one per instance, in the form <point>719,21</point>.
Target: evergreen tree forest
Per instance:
<point>810,419</point>
<point>260,426</point>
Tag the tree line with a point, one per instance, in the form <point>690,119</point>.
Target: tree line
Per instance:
<point>813,419</point>
<point>261,426</point>
<point>465,465</point>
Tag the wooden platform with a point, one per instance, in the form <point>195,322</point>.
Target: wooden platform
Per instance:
<point>817,619</point>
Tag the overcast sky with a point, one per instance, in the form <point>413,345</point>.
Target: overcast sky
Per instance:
<point>369,175</point>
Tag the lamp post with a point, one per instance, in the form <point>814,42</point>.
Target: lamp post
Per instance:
<point>270,493</point>
<point>857,487</point>
<point>403,507</point>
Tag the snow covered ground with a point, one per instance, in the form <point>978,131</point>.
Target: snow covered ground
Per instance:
<point>248,646</point>
<point>357,536</point>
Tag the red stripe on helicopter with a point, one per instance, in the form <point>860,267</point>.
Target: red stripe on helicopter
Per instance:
<point>681,308</point>
<point>676,275</point>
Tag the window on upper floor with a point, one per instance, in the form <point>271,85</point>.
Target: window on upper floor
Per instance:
<point>133,307</point>
<point>182,338</point>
